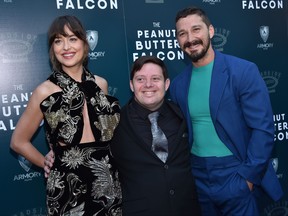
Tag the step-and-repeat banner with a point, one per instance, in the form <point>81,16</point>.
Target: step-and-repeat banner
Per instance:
<point>123,30</point>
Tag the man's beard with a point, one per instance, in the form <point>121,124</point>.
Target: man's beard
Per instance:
<point>195,57</point>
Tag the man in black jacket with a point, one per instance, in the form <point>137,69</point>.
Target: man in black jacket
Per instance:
<point>151,187</point>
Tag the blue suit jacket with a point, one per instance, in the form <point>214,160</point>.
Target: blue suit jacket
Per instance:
<point>242,115</point>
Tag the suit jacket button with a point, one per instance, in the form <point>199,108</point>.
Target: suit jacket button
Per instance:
<point>184,135</point>
<point>171,192</point>
<point>166,166</point>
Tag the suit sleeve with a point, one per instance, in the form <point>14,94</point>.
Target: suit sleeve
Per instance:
<point>258,115</point>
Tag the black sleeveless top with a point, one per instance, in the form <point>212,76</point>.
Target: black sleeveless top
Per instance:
<point>63,110</point>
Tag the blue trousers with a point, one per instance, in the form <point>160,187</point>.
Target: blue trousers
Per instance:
<point>221,190</point>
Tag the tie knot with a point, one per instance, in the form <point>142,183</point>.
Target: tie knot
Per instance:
<point>153,116</point>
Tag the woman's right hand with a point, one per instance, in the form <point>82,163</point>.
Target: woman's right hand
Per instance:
<point>48,163</point>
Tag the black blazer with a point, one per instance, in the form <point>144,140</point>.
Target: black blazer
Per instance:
<point>149,186</point>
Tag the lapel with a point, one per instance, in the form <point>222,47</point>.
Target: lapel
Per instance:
<point>218,83</point>
<point>182,131</point>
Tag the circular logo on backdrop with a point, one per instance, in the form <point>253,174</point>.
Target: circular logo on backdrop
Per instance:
<point>15,46</point>
<point>39,211</point>
<point>279,208</point>
<point>271,79</point>
<point>220,38</point>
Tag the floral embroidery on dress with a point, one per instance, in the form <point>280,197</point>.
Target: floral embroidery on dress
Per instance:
<point>75,187</point>
<point>107,124</point>
<point>63,111</point>
<point>54,181</point>
<point>105,187</point>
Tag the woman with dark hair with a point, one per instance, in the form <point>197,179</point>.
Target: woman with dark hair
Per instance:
<point>80,119</point>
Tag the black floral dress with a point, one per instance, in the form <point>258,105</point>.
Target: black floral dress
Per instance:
<point>83,179</point>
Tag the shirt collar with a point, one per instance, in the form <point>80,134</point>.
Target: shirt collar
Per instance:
<point>143,112</point>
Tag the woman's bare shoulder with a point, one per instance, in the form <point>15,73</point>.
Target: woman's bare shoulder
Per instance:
<point>102,83</point>
<point>45,89</point>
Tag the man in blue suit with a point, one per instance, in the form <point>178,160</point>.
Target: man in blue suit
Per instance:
<point>230,121</point>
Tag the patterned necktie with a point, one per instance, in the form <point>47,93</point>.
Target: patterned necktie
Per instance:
<point>159,142</point>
